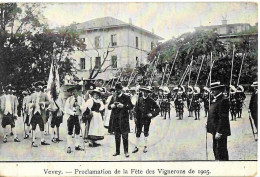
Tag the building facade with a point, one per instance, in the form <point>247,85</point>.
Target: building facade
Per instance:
<point>115,43</point>
<point>237,33</point>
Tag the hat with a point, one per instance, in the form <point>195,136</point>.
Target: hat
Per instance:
<point>145,89</point>
<point>103,89</point>
<point>197,89</point>
<point>255,84</point>
<point>90,84</point>
<point>125,89</point>
<point>215,85</point>
<point>72,88</point>
<point>181,88</point>
<point>112,89</point>
<point>175,88</point>
<point>240,88</point>
<point>25,92</point>
<point>118,86</point>
<point>232,89</point>
<point>96,90</point>
<point>206,89</point>
<point>38,84</point>
<point>190,90</point>
<point>166,90</point>
<point>132,89</point>
<point>9,87</point>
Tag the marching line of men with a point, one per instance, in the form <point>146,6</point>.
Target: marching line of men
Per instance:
<point>112,111</point>
<point>193,98</point>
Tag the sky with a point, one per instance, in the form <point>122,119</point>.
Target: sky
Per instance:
<point>168,19</point>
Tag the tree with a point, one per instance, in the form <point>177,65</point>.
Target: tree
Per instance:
<point>94,72</point>
<point>199,45</point>
<point>26,46</point>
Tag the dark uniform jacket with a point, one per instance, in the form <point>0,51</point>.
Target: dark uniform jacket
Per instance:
<point>218,119</point>
<point>145,106</point>
<point>120,116</point>
<point>253,106</point>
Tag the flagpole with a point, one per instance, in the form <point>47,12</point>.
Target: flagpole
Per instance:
<point>230,82</point>
<point>172,67</point>
<point>241,69</point>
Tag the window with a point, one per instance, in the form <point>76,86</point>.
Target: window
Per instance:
<point>136,61</point>
<point>113,40</point>
<point>97,42</point>
<point>82,63</point>
<point>98,62</point>
<point>114,61</point>
<point>152,45</point>
<point>136,42</point>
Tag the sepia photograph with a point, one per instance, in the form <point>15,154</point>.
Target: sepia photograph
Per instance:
<point>129,82</point>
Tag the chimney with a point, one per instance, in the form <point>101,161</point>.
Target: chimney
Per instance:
<point>153,30</point>
<point>130,21</point>
<point>224,22</point>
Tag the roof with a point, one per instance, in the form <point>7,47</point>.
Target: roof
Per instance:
<point>110,22</point>
<point>215,26</point>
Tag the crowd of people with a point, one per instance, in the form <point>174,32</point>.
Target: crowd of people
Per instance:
<point>97,107</point>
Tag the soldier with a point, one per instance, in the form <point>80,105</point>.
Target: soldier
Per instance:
<point>25,108</point>
<point>166,102</point>
<point>56,112</point>
<point>73,115</point>
<point>205,99</point>
<point>39,101</point>
<point>233,103</point>
<point>196,99</point>
<point>190,92</point>
<point>179,101</point>
<point>145,110</point>
<point>9,104</point>
<point>120,105</point>
<point>218,122</point>
<point>240,97</point>
<point>253,105</point>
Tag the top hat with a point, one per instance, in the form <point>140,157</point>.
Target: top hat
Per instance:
<point>146,89</point>
<point>216,85</point>
<point>255,84</point>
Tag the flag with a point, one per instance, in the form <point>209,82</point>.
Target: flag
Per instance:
<point>53,86</point>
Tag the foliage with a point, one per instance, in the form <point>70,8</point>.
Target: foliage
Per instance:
<point>199,44</point>
<point>26,46</point>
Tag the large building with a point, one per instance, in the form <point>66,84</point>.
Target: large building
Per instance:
<point>127,43</point>
<point>234,33</point>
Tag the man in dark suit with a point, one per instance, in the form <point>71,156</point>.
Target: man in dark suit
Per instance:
<point>218,122</point>
<point>145,109</point>
<point>120,105</point>
<point>254,104</point>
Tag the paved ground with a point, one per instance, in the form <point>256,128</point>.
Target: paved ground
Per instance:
<point>169,140</point>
